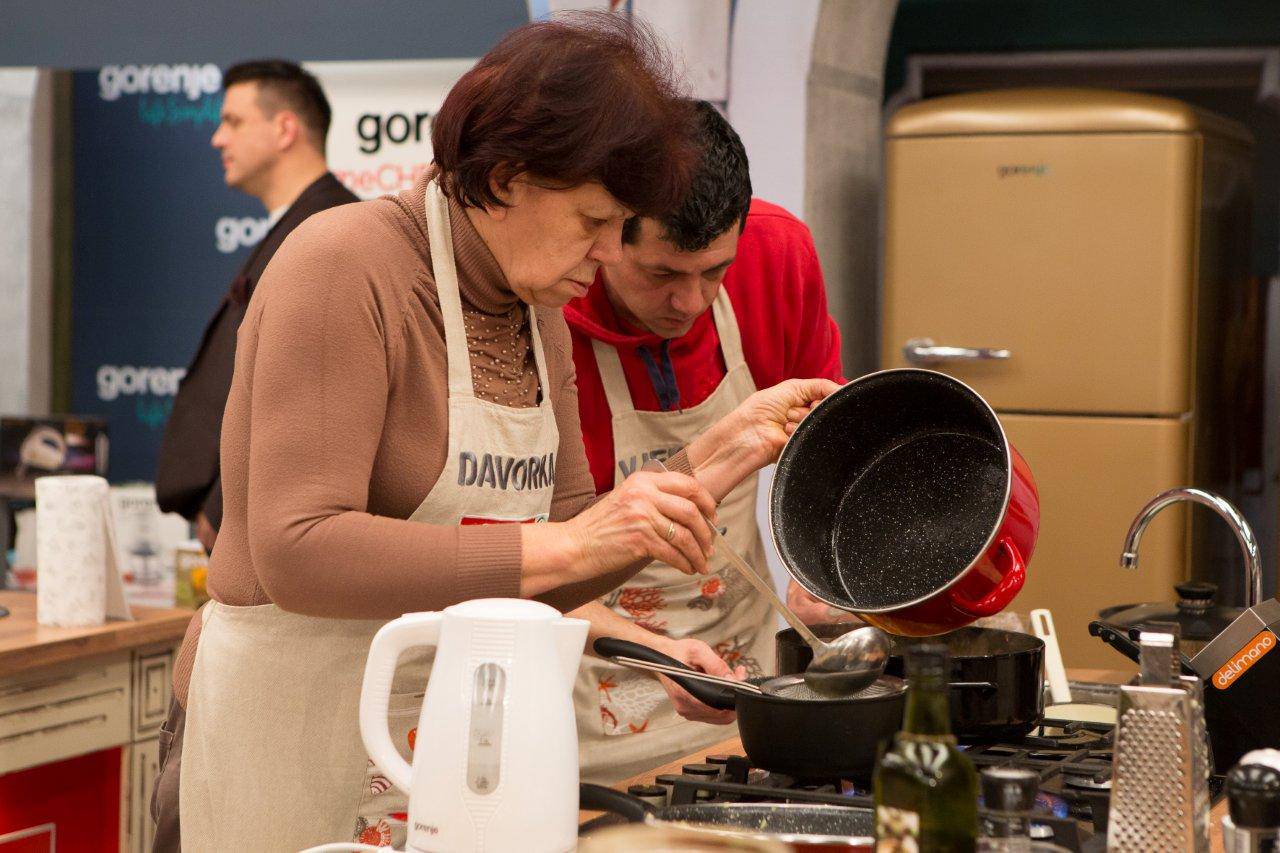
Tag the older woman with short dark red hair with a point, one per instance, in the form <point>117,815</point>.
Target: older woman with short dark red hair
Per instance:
<point>404,381</point>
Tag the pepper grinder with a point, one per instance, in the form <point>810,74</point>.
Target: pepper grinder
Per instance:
<point>1252,824</point>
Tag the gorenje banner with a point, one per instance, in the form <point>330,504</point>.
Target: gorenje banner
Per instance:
<point>380,138</point>
<point>159,236</point>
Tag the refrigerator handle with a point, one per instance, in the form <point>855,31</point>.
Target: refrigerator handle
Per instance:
<point>925,351</point>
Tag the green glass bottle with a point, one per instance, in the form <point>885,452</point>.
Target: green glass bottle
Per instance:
<point>926,789</point>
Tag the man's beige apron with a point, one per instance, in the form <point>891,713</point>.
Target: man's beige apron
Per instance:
<point>626,722</point>
<point>273,759</point>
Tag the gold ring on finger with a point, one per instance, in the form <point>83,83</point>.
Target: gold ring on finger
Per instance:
<point>671,531</point>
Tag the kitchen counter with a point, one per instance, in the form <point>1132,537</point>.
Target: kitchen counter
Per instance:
<point>733,746</point>
<point>25,645</point>
<point>80,715</point>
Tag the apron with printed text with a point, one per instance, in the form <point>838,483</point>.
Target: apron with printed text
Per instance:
<point>273,758</point>
<point>626,721</point>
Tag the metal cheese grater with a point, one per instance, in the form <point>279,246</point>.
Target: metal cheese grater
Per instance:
<point>1161,764</point>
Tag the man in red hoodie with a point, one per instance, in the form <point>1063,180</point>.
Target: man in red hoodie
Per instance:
<point>721,297</point>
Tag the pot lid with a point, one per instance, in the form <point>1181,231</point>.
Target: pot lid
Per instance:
<point>1196,612</point>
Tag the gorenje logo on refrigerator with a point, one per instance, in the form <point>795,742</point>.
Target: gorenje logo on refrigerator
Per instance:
<point>1022,170</point>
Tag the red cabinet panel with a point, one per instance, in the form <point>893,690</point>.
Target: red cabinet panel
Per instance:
<point>68,806</point>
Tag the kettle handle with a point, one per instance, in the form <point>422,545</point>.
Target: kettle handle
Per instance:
<point>392,639</point>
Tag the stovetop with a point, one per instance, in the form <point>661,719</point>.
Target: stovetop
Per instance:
<point>1072,758</point>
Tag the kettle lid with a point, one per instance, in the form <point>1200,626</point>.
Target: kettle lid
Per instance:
<point>506,609</point>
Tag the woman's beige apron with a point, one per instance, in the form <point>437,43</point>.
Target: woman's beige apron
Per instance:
<point>626,722</point>
<point>273,759</point>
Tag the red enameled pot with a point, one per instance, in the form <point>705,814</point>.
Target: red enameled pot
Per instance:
<point>900,498</point>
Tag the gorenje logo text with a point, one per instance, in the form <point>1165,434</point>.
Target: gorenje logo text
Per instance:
<point>1023,170</point>
<point>395,128</point>
<point>231,232</point>
<point>191,80</point>
<point>127,380</point>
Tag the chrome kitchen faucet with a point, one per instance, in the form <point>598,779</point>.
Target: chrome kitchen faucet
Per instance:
<point>1231,515</point>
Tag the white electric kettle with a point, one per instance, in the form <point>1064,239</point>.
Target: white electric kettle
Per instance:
<point>495,765</point>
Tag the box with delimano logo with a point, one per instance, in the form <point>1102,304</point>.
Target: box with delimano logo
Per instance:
<point>1241,673</point>
<point>58,444</point>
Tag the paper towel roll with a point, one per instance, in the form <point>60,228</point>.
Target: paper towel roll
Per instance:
<point>78,580</point>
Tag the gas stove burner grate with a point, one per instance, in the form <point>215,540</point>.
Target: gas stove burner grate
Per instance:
<point>1090,783</point>
<point>739,781</point>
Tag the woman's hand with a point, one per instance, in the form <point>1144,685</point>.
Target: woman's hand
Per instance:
<point>814,611</point>
<point>655,516</point>
<point>703,658</point>
<point>752,435</point>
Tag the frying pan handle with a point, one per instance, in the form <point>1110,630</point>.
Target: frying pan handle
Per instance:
<point>1135,633</point>
<point>1115,638</point>
<point>598,798</point>
<point>1000,597</point>
<point>721,698</point>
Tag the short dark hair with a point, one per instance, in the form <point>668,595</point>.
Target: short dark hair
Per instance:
<point>720,193</point>
<point>581,97</point>
<point>286,84</point>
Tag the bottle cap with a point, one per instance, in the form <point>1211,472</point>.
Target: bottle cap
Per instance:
<point>1253,791</point>
<point>1009,789</point>
<point>928,661</point>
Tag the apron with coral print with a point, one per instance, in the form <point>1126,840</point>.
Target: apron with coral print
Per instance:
<point>626,721</point>
<point>272,758</point>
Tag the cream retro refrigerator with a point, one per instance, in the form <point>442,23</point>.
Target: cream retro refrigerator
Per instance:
<point>1080,257</point>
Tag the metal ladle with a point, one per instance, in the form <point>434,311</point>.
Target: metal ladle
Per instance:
<point>845,665</point>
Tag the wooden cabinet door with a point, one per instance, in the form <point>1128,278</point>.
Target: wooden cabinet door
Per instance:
<point>1093,475</point>
<point>144,766</point>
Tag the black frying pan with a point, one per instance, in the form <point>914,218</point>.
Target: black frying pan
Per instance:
<point>996,676</point>
<point>1237,718</point>
<point>810,738</point>
<point>1125,641</point>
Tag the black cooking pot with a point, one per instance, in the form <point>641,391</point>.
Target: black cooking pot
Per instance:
<point>996,676</point>
<point>1199,617</point>
<point>809,738</point>
<point>799,825</point>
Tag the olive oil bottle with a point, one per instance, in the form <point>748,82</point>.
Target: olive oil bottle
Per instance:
<point>926,790</point>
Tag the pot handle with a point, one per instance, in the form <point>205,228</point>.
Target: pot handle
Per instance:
<point>1115,638</point>
<point>1000,597</point>
<point>721,698</point>
<point>598,798</point>
<point>974,686</point>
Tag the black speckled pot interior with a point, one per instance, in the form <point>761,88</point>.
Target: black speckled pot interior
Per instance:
<point>889,489</point>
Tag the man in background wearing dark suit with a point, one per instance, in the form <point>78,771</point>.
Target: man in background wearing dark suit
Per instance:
<point>275,118</point>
